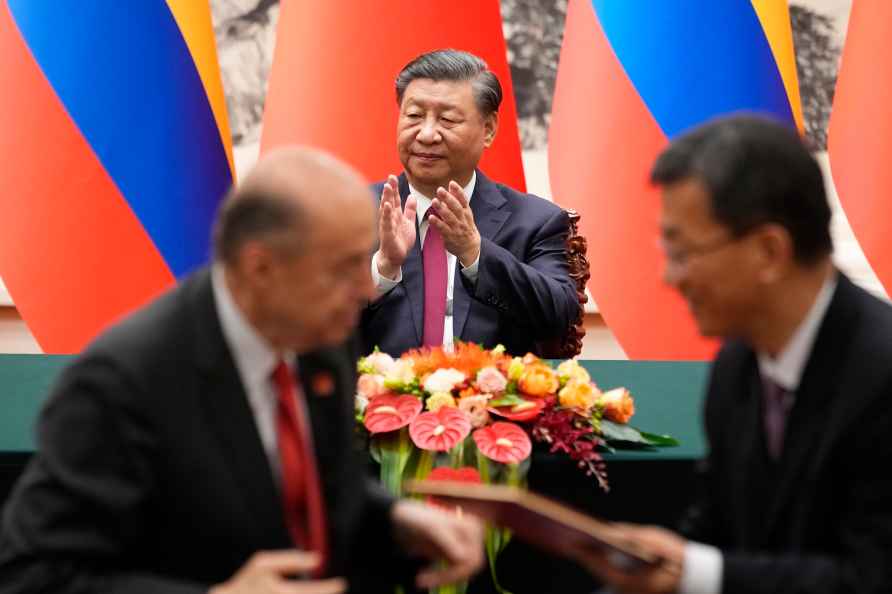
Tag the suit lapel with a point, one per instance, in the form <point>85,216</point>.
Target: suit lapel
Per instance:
<point>229,415</point>
<point>489,216</point>
<point>319,377</point>
<point>413,274</point>
<point>745,450</point>
<point>815,409</point>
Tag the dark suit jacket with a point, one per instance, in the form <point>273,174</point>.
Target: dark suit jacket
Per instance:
<point>523,292</point>
<point>150,475</point>
<point>820,519</point>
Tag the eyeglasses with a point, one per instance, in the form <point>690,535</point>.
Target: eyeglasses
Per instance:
<point>682,257</point>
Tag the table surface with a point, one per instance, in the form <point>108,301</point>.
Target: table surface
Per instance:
<point>668,396</point>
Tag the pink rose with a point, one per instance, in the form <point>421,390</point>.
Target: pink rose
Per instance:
<point>369,386</point>
<point>491,381</point>
<point>475,406</point>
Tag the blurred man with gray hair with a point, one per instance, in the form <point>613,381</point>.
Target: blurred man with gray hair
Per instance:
<point>205,443</point>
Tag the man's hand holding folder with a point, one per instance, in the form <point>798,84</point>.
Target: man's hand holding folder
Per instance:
<point>631,558</point>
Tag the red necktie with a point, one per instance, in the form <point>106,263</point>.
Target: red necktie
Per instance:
<point>301,490</point>
<point>433,258</point>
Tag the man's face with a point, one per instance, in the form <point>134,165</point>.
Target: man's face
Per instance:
<point>314,298</point>
<point>716,273</point>
<point>441,134</point>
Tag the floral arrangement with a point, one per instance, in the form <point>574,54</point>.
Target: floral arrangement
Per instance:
<point>473,414</point>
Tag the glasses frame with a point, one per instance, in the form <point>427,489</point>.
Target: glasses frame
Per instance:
<point>681,258</point>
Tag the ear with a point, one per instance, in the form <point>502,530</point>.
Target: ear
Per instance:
<point>490,127</point>
<point>255,263</point>
<point>775,250</point>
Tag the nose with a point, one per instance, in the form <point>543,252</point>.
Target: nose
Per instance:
<point>673,273</point>
<point>428,133</point>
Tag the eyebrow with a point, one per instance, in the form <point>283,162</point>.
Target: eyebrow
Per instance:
<point>443,105</point>
<point>669,232</point>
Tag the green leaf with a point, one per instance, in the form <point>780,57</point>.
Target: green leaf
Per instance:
<point>660,441</point>
<point>401,387</point>
<point>392,450</point>
<point>483,468</point>
<point>375,450</point>
<point>615,432</point>
<point>627,436</point>
<point>364,367</point>
<point>425,464</point>
<point>496,541</point>
<point>507,400</point>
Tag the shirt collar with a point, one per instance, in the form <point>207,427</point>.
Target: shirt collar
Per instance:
<point>424,202</point>
<point>786,369</point>
<point>254,356</point>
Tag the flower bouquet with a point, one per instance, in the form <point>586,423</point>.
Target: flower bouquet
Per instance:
<point>473,414</point>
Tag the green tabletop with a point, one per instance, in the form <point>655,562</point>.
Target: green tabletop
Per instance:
<point>667,399</point>
<point>24,386</point>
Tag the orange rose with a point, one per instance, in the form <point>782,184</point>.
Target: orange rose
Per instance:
<point>581,395</point>
<point>618,405</point>
<point>538,380</point>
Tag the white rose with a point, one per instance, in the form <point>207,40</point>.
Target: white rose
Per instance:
<point>402,371</point>
<point>382,362</point>
<point>443,380</point>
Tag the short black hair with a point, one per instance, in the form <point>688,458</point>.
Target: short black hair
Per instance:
<point>757,171</point>
<point>454,65</point>
<point>246,215</point>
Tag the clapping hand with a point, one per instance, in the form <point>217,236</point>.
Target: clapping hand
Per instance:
<point>454,220</point>
<point>396,229</point>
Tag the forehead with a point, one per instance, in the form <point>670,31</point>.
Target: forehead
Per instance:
<point>440,93</point>
<point>686,210</point>
<point>339,227</point>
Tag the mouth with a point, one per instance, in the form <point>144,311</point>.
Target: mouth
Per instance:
<point>427,157</point>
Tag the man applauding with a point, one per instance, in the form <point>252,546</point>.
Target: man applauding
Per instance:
<point>460,256</point>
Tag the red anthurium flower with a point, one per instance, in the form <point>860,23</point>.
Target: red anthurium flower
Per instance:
<point>527,410</point>
<point>390,412</point>
<point>467,474</point>
<point>503,442</point>
<point>440,430</point>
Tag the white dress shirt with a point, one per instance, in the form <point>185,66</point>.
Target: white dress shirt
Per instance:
<point>255,360</point>
<point>703,564</point>
<point>385,284</point>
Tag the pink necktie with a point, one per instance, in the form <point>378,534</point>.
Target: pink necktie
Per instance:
<point>433,257</point>
<point>775,417</point>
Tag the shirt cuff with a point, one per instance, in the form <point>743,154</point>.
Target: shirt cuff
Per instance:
<point>702,571</point>
<point>470,272</point>
<point>382,283</point>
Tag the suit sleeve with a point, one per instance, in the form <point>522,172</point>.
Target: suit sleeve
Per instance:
<point>79,509</point>
<point>536,290</point>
